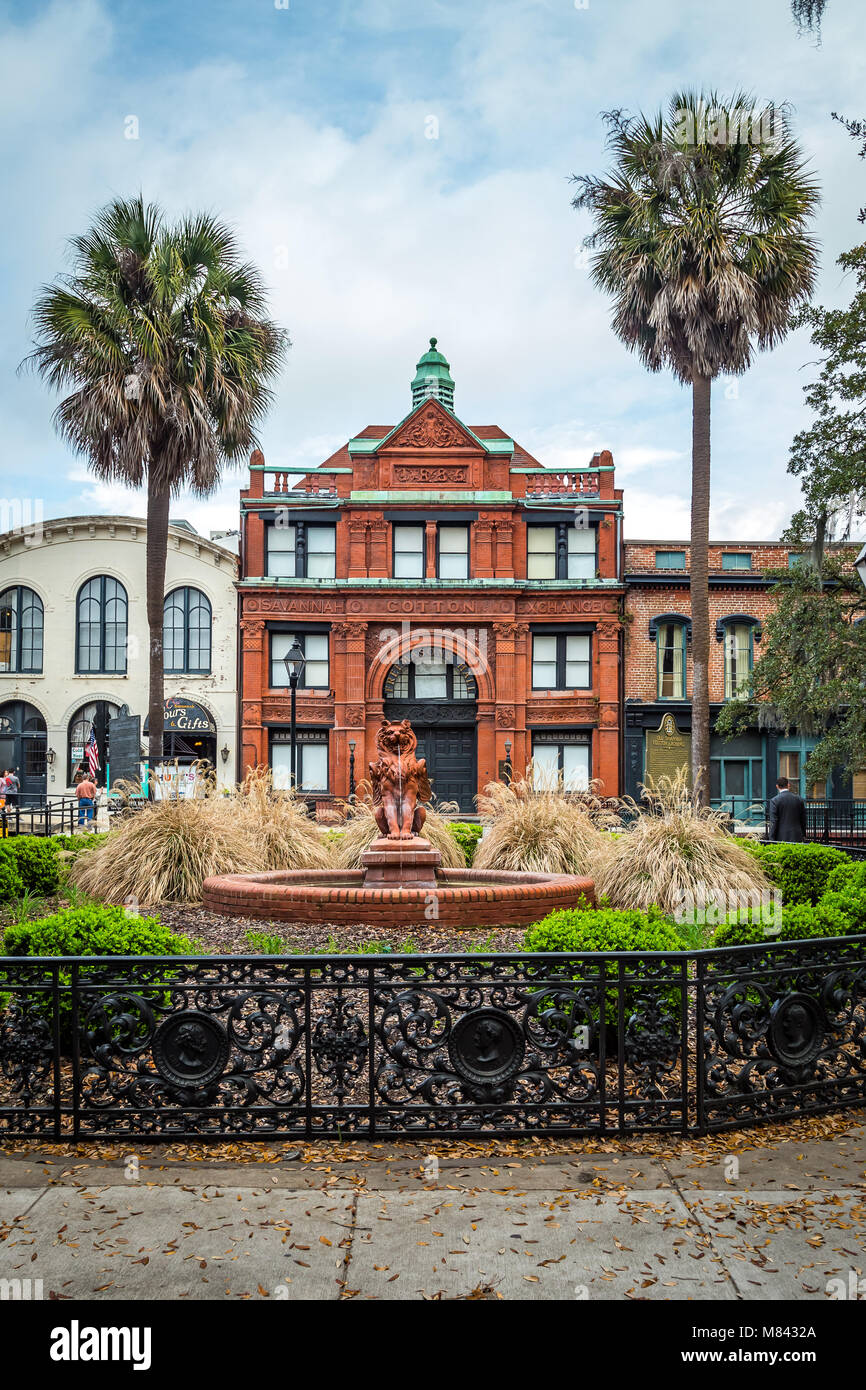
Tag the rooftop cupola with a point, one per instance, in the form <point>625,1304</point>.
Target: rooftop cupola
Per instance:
<point>432,378</point>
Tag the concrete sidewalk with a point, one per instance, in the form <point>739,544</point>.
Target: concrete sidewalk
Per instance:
<point>785,1224</point>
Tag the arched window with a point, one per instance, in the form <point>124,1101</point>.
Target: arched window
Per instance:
<point>739,632</point>
<point>419,678</point>
<point>100,643</point>
<point>91,717</point>
<point>186,632</point>
<point>21,624</point>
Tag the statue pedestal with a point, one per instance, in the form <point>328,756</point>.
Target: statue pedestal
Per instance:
<point>400,863</point>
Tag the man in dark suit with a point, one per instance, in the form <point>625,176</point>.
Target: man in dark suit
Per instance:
<point>787,815</point>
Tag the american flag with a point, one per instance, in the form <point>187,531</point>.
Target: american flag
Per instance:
<point>92,754</point>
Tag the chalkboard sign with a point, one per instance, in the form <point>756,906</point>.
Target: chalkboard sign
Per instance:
<point>124,744</point>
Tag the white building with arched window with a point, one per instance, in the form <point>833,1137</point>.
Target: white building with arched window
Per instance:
<point>74,648</point>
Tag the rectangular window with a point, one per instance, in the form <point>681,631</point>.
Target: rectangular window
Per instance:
<point>541,552</point>
<point>311,761</point>
<point>858,785</point>
<point>408,552</point>
<point>818,790</point>
<point>281,551</point>
<point>736,560</point>
<point>581,552</point>
<point>299,551</point>
<point>738,660</point>
<point>789,766</point>
<point>671,661</point>
<point>321,552</point>
<point>453,552</point>
<point>561,661</point>
<point>316,672</point>
<point>794,560</point>
<point>560,552</point>
<point>430,680</point>
<point>566,762</point>
<point>670,559</point>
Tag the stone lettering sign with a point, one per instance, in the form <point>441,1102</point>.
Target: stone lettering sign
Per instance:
<point>667,750</point>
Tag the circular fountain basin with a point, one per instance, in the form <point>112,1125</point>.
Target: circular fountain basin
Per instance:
<point>464,897</point>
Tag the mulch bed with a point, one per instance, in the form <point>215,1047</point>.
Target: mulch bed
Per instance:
<point>227,935</point>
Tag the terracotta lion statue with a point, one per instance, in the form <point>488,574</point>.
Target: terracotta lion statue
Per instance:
<point>400,782</point>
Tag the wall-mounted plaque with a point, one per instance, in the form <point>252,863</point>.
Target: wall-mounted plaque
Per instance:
<point>667,750</point>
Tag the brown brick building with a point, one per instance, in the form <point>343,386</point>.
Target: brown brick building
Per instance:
<point>658,669</point>
<point>438,572</point>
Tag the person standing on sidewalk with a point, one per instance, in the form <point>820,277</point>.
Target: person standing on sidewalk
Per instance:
<point>86,793</point>
<point>787,815</point>
<point>13,787</point>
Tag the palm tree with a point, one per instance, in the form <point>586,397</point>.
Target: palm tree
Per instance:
<point>161,331</point>
<point>701,239</point>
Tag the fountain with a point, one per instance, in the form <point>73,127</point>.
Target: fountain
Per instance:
<point>401,882</point>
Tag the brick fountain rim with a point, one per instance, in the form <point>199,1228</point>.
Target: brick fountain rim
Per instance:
<point>396,887</point>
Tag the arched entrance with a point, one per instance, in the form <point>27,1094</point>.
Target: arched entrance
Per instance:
<point>95,716</point>
<point>24,745</point>
<point>439,697</point>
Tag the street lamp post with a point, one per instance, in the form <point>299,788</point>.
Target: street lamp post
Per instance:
<point>294,662</point>
<point>508,769</point>
<point>351,770</point>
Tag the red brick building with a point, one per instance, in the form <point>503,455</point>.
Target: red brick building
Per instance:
<point>658,670</point>
<point>438,572</point>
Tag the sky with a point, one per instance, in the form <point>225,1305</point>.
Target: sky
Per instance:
<point>398,171</point>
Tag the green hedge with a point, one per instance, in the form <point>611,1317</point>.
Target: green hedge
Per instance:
<point>799,921</point>
<point>94,930</point>
<point>799,871</point>
<point>467,837</point>
<point>603,929</point>
<point>28,863</point>
<point>589,930</point>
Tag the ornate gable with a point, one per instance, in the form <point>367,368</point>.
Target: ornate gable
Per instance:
<point>431,426</point>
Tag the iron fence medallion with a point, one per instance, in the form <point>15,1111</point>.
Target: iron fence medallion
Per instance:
<point>486,1047</point>
<point>191,1049</point>
<point>796,1032</point>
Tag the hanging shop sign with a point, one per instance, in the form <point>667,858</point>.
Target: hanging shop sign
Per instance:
<point>185,717</point>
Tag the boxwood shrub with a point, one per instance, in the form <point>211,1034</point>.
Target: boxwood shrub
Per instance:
<point>829,917</point>
<point>94,930</point>
<point>585,931</point>
<point>467,837</point>
<point>35,857</point>
<point>800,871</point>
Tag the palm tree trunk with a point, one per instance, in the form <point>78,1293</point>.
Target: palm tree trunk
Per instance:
<point>701,386</point>
<point>157,547</point>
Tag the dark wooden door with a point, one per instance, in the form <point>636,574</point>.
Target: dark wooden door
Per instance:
<point>450,755</point>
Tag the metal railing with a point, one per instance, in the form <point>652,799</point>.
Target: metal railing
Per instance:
<point>39,815</point>
<point>323,1046</point>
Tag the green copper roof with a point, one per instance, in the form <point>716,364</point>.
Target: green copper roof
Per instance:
<point>433,378</point>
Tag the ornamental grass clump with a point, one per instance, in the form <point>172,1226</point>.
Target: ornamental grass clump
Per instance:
<point>360,830</point>
<point>164,853</point>
<point>278,823</point>
<point>677,854</point>
<point>533,825</point>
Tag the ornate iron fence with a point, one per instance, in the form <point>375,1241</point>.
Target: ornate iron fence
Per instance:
<point>418,1046</point>
<point>39,815</point>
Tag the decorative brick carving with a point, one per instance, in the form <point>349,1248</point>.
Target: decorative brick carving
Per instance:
<point>408,473</point>
<point>431,429</point>
<point>505,716</point>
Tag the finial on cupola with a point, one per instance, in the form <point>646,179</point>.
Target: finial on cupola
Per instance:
<point>433,378</point>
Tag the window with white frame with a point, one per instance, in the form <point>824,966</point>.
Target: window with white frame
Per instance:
<point>311,759</point>
<point>316,672</point>
<point>453,552</point>
<point>561,661</point>
<point>408,552</point>
<point>563,760</point>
